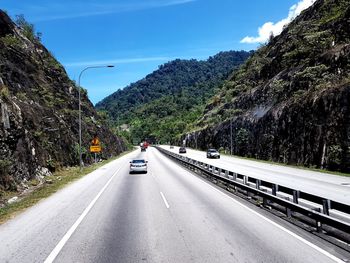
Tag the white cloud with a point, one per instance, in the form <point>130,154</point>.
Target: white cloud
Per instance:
<point>276,28</point>
<point>116,61</point>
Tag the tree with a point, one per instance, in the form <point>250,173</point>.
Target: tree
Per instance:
<point>28,28</point>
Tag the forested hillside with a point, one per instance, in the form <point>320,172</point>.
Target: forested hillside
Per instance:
<point>290,102</point>
<point>166,102</point>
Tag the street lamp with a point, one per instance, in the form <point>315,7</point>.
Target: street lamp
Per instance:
<point>231,148</point>
<point>79,89</point>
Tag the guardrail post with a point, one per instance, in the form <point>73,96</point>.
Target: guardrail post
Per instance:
<point>326,203</point>
<point>319,226</point>
<point>274,189</point>
<point>288,212</point>
<point>226,174</point>
<point>234,175</point>
<point>265,202</point>
<point>258,184</point>
<point>296,195</point>
<point>245,179</point>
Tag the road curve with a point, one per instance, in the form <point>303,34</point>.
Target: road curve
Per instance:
<point>167,215</point>
<point>329,186</point>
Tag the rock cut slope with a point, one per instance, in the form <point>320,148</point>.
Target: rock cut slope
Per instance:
<point>39,110</point>
<point>290,102</point>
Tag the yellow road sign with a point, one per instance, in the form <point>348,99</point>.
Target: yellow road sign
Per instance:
<point>95,149</point>
<point>95,141</point>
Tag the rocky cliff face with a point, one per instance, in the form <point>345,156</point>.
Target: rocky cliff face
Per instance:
<point>39,111</point>
<point>290,101</point>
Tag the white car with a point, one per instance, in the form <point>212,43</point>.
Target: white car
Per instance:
<point>212,153</point>
<point>138,166</point>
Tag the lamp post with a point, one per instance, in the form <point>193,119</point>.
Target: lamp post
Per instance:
<point>79,89</point>
<point>231,148</point>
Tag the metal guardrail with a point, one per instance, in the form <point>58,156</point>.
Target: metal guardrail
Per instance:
<point>252,186</point>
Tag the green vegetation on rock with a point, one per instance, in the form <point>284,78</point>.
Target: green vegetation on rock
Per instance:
<point>39,110</point>
<point>291,97</point>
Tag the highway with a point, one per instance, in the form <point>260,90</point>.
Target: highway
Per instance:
<point>326,185</point>
<point>166,215</point>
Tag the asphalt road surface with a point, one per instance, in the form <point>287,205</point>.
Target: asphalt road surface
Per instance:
<point>167,215</point>
<point>329,186</point>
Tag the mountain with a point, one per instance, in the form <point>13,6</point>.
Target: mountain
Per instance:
<point>290,101</point>
<point>39,110</point>
<point>165,102</point>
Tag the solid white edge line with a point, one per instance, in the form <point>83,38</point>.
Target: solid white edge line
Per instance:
<point>165,201</point>
<point>322,251</point>
<point>69,233</point>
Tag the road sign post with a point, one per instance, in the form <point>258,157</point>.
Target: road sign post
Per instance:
<point>95,147</point>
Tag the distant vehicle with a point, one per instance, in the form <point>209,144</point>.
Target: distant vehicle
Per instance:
<point>182,150</point>
<point>213,153</point>
<point>144,144</point>
<point>138,166</point>
<point>143,148</point>
<point>171,146</point>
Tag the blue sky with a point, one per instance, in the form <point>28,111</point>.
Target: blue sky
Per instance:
<point>139,35</point>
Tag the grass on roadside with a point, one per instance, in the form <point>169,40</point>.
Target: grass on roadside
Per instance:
<point>52,184</point>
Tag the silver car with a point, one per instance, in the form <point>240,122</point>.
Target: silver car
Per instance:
<point>213,153</point>
<point>138,166</point>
